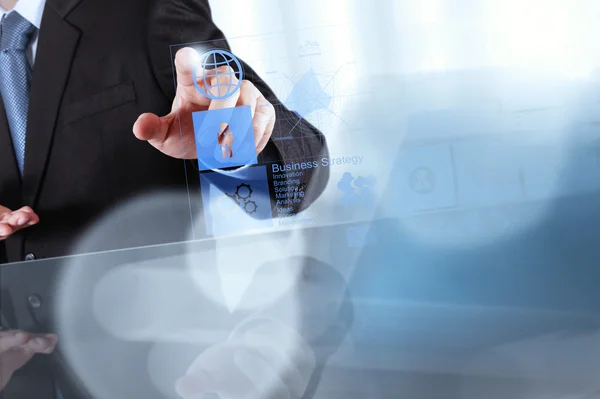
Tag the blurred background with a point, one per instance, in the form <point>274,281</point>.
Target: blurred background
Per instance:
<point>477,93</point>
<point>477,121</point>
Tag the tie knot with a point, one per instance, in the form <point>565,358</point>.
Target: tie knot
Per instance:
<point>16,32</point>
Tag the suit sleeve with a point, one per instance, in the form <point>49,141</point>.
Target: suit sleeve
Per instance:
<point>3,257</point>
<point>176,22</point>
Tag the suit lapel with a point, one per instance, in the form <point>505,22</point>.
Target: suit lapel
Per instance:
<point>10,177</point>
<point>57,44</point>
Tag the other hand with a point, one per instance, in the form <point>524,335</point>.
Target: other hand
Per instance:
<point>264,362</point>
<point>13,221</point>
<point>18,347</point>
<point>173,134</point>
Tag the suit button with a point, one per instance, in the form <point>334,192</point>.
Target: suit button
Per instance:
<point>29,256</point>
<point>35,301</point>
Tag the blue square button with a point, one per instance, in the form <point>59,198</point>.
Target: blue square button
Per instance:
<point>224,138</point>
<point>236,206</point>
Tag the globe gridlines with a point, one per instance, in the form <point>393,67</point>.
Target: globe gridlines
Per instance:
<point>213,59</point>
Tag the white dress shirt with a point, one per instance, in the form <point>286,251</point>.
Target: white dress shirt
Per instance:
<point>32,11</point>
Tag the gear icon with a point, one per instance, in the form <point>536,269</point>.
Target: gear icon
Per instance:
<point>250,207</point>
<point>244,188</point>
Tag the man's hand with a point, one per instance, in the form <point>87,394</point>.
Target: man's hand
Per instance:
<point>267,361</point>
<point>12,221</point>
<point>173,134</point>
<point>18,347</point>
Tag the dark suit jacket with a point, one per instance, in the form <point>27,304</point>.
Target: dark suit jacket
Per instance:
<point>99,65</point>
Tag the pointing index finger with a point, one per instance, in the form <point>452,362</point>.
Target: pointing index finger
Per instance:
<point>223,80</point>
<point>185,61</point>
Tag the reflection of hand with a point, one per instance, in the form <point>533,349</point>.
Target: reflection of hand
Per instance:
<point>268,360</point>
<point>18,347</point>
<point>225,140</point>
<point>173,134</point>
<point>225,136</point>
<point>12,221</point>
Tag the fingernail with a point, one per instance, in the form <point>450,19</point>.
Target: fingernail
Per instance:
<point>20,335</point>
<point>21,221</point>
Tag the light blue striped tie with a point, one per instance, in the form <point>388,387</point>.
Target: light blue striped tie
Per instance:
<point>15,81</point>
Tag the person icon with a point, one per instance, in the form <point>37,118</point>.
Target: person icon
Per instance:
<point>422,181</point>
<point>423,184</point>
<point>225,140</point>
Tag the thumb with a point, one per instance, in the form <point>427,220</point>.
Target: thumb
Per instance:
<point>151,127</point>
<point>4,210</point>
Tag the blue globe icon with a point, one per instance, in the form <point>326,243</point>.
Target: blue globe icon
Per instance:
<point>213,60</point>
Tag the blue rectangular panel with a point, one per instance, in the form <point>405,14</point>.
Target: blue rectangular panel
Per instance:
<point>235,206</point>
<point>488,173</point>
<point>224,138</point>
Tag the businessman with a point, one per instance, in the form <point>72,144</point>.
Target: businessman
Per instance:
<point>90,118</point>
<point>74,85</point>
